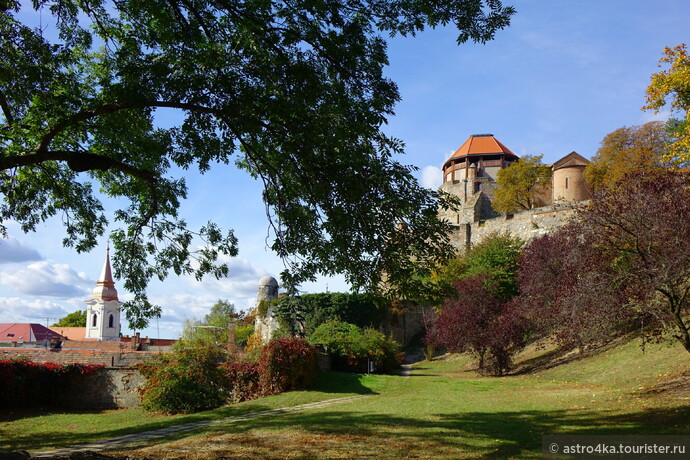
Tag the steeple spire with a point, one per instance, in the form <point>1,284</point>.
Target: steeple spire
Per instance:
<point>105,286</point>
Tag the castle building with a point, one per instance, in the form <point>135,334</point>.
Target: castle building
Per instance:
<point>474,166</point>
<point>103,308</point>
<point>568,180</point>
<point>470,174</point>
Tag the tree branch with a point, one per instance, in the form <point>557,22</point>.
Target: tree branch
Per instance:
<point>113,107</point>
<point>6,109</point>
<point>77,161</point>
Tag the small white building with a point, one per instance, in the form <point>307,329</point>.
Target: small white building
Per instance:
<point>103,308</point>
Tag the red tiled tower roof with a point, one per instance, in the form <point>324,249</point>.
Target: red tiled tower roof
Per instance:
<point>482,144</point>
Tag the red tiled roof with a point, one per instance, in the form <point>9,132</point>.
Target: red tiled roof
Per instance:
<point>25,332</point>
<point>482,144</point>
<point>71,333</point>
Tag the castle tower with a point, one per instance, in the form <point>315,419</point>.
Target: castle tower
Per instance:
<point>103,308</point>
<point>470,174</point>
<point>473,167</point>
<point>568,179</point>
<point>265,324</point>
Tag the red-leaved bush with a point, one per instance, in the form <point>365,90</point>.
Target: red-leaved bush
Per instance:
<point>481,323</point>
<point>286,364</point>
<point>26,383</point>
<point>243,379</point>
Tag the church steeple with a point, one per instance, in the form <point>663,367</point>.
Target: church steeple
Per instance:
<point>103,308</point>
<point>105,286</point>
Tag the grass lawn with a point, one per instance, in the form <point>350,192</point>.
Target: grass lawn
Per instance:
<point>443,411</point>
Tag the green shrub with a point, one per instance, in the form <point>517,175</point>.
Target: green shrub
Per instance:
<point>307,312</point>
<point>242,334</point>
<point>186,380</point>
<point>353,348</point>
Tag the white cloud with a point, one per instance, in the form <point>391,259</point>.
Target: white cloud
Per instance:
<point>18,310</point>
<point>13,250</point>
<point>241,283</point>
<point>432,177</point>
<point>47,279</point>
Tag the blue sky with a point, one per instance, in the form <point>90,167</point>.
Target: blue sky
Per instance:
<point>561,77</point>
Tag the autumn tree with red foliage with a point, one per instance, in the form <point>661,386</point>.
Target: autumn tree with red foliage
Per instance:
<point>567,290</point>
<point>643,227</point>
<point>625,260</point>
<point>480,322</point>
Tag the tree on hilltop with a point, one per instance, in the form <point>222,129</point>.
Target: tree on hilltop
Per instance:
<point>643,227</point>
<point>478,315</point>
<point>625,260</point>
<point>479,322</point>
<point>291,92</point>
<point>628,151</point>
<point>567,291</point>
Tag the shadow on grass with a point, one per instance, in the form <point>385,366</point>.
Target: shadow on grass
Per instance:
<point>10,441</point>
<point>484,435</point>
<point>341,382</point>
<point>326,382</point>
<point>564,355</point>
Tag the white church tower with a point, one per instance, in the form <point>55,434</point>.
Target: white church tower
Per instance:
<point>103,308</point>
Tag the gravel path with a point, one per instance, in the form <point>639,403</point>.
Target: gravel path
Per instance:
<point>415,355</point>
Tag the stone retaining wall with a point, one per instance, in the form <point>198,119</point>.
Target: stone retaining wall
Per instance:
<point>106,388</point>
<point>109,388</point>
<point>66,356</point>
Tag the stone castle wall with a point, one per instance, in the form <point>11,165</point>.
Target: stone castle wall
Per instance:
<point>526,225</point>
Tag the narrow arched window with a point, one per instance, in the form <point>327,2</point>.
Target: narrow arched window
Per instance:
<point>110,321</point>
<point>93,323</point>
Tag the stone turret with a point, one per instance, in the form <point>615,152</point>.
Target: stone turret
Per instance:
<point>266,324</point>
<point>568,179</point>
<point>103,308</point>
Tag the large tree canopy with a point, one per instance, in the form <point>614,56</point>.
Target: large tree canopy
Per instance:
<point>290,91</point>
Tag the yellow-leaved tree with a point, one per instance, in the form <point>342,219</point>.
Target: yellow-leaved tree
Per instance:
<point>520,185</point>
<point>628,151</point>
<point>673,85</point>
